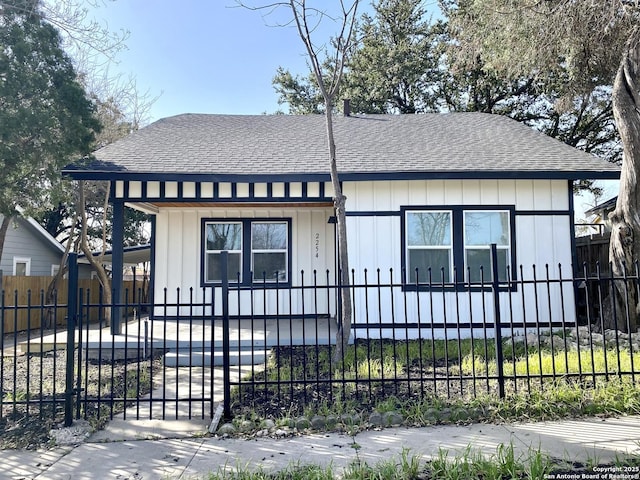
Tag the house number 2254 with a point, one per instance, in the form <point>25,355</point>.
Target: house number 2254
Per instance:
<point>317,244</point>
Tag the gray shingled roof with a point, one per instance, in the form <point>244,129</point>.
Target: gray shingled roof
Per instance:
<point>371,144</point>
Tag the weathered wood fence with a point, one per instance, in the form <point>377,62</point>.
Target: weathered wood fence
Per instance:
<point>593,250</point>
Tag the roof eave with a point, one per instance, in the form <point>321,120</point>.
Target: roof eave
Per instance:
<point>345,176</point>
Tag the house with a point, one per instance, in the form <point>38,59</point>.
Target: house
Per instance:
<point>29,250</point>
<point>599,215</point>
<point>592,243</point>
<point>422,191</point>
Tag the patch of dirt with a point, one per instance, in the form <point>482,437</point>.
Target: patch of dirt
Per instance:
<point>21,431</point>
<point>32,393</point>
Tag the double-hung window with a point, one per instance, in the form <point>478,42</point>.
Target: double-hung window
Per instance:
<point>481,229</point>
<point>451,244</point>
<point>429,246</point>
<point>258,250</point>
<point>219,237</point>
<point>269,247</point>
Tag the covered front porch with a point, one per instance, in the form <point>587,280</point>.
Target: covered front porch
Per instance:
<point>184,341</point>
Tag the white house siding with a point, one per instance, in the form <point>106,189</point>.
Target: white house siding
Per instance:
<point>375,242</point>
<point>178,244</point>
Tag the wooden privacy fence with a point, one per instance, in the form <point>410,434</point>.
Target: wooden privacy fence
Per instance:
<point>25,307</point>
<point>593,250</point>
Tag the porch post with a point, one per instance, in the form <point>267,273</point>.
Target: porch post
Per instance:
<point>117,265</point>
<point>152,268</point>
<point>72,313</point>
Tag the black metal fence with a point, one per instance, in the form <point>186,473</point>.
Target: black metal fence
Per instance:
<point>270,347</point>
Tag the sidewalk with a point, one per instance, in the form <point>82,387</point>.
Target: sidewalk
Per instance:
<point>194,458</point>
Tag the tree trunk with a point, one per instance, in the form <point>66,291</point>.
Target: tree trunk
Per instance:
<point>339,203</point>
<point>51,295</point>
<point>95,262</point>
<point>621,312</point>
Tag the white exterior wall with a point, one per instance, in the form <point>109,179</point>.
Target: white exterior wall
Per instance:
<point>376,242</point>
<point>178,260</point>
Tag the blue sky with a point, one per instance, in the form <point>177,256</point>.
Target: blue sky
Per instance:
<point>206,56</point>
<point>209,56</point>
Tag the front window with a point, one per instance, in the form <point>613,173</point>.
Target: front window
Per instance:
<point>269,251</point>
<point>439,240</point>
<point>258,250</point>
<point>481,229</point>
<point>429,246</point>
<point>219,237</point>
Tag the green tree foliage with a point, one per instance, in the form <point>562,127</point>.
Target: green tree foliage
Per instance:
<point>405,63</point>
<point>46,120</point>
<point>580,115</point>
<point>302,95</point>
<point>397,63</point>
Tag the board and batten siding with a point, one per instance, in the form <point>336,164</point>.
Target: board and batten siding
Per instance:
<point>178,261</point>
<point>542,229</point>
<point>375,242</point>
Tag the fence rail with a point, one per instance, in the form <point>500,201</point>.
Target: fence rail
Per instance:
<point>270,346</point>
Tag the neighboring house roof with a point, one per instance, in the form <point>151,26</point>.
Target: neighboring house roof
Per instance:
<point>455,145</point>
<point>40,232</point>
<point>46,236</point>
<point>603,208</point>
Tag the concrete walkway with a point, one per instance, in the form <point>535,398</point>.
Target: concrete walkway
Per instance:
<point>189,342</point>
<point>180,456</point>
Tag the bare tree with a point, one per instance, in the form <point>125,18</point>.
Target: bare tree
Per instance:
<point>71,245</point>
<point>96,261</point>
<point>327,61</point>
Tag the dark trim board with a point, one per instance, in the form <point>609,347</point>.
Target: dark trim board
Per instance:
<point>459,326</point>
<point>381,213</point>
<point>559,213</point>
<point>517,213</point>
<point>117,174</point>
<point>152,262</point>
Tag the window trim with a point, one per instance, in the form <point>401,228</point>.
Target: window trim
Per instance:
<point>26,261</point>
<point>246,253</point>
<point>273,250</point>
<point>460,282</point>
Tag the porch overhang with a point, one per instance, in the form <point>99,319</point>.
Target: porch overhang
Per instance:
<point>149,195</point>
